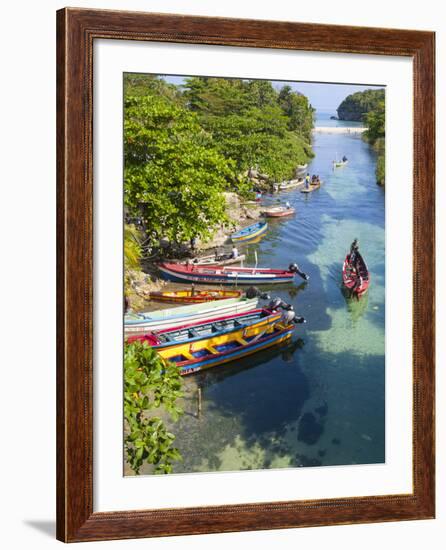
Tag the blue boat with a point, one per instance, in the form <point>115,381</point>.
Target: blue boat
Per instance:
<point>249,233</point>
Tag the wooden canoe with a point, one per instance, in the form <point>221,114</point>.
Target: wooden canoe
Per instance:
<point>218,259</point>
<point>356,278</point>
<point>192,296</point>
<point>214,327</point>
<point>225,274</point>
<point>249,233</point>
<point>290,184</point>
<point>279,212</point>
<point>177,316</point>
<point>217,350</point>
<point>313,187</point>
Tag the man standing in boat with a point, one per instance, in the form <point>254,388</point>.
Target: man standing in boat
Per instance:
<point>307,181</point>
<point>354,250</point>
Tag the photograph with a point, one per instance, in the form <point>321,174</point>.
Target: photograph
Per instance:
<point>254,274</point>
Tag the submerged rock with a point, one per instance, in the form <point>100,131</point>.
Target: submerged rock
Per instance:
<point>310,430</point>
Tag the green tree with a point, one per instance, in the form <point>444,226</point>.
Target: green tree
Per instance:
<point>249,124</point>
<point>356,106</point>
<point>376,122</point>
<point>150,386</point>
<point>174,176</point>
<point>132,253</point>
<point>298,110</point>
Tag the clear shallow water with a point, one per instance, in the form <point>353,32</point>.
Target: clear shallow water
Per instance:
<point>320,400</point>
<point>323,119</point>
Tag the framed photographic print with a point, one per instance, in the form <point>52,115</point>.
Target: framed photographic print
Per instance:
<point>245,275</point>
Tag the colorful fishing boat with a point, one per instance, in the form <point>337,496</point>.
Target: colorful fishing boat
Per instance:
<point>168,318</point>
<point>218,259</point>
<point>355,275</point>
<point>215,327</point>
<point>291,184</point>
<point>228,275</point>
<point>249,233</point>
<point>279,212</point>
<point>218,350</point>
<point>313,187</point>
<point>192,296</point>
<point>339,163</point>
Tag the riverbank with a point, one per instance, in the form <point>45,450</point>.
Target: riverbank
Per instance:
<point>146,280</point>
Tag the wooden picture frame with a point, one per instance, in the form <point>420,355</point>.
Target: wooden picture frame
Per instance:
<point>76,31</point>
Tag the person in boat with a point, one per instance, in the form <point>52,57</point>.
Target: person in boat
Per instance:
<point>234,252</point>
<point>344,159</point>
<point>307,181</point>
<point>354,253</point>
<point>287,205</point>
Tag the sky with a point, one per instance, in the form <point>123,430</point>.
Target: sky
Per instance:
<point>324,97</point>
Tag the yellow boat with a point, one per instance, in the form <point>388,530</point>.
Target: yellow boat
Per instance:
<point>217,350</point>
<point>192,296</point>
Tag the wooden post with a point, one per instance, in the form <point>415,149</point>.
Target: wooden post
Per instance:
<point>199,402</point>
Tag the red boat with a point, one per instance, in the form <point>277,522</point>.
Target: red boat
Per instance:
<point>279,212</point>
<point>356,278</point>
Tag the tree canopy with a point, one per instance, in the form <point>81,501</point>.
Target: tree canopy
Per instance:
<point>356,106</point>
<point>185,145</point>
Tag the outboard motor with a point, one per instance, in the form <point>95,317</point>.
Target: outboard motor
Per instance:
<point>288,317</point>
<point>299,320</point>
<point>275,303</point>
<point>253,292</point>
<point>294,268</point>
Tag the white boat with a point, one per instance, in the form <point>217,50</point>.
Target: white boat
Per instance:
<point>291,184</point>
<point>172,317</point>
<point>218,259</point>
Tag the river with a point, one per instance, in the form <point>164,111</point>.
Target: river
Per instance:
<point>319,401</point>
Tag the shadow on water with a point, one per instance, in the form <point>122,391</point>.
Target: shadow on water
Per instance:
<point>274,406</point>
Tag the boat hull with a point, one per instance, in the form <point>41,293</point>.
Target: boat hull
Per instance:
<point>160,320</point>
<point>211,260</point>
<point>350,278</point>
<point>249,233</point>
<point>225,277</point>
<point>206,354</point>
<point>194,332</point>
<point>279,213</point>
<point>313,187</point>
<point>195,297</point>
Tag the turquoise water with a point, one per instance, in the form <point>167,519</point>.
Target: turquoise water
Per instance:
<point>323,119</point>
<point>320,400</point>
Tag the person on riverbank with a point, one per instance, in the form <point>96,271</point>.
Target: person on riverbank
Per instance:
<point>234,253</point>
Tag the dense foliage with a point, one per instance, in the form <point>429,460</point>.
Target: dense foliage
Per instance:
<point>184,146</point>
<point>376,124</point>
<point>174,177</point>
<point>132,253</point>
<point>368,107</point>
<point>149,385</point>
<point>356,106</point>
<point>254,124</point>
